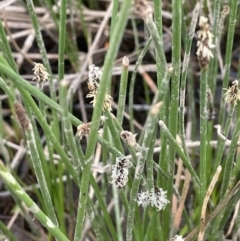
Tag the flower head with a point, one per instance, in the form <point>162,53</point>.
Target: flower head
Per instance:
<point>120,172</point>
<point>143,9</point>
<point>83,130</point>
<point>130,138</point>
<point>177,238</point>
<point>205,43</point>
<point>106,103</point>
<point>41,74</point>
<point>233,93</point>
<point>22,116</point>
<point>94,76</point>
<point>156,197</point>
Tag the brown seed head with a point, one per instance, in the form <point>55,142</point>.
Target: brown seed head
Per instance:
<point>83,130</point>
<point>143,9</point>
<point>130,138</point>
<point>21,115</point>
<point>205,43</point>
<point>233,94</point>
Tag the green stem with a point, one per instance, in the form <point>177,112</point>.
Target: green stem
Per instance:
<point>20,193</point>
<point>173,116</point>
<point>46,63</point>
<point>35,160</point>
<point>185,71</point>
<point>213,65</point>
<point>181,154</point>
<point>67,127</point>
<point>7,232</point>
<point>108,64</point>
<point>153,116</point>
<point>221,142</point>
<point>62,39</point>
<point>203,133</point>
<point>132,82</point>
<point>228,56</point>
<point>123,90</point>
<point>230,159</point>
<point>7,49</point>
<point>114,132</point>
<point>149,162</point>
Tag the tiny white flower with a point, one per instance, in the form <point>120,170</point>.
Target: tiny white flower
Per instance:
<point>205,43</point>
<point>120,172</point>
<point>178,238</point>
<point>143,199</point>
<point>40,74</point>
<point>94,75</point>
<point>156,198</point>
<point>233,93</point>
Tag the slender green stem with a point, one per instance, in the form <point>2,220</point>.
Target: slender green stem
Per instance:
<point>81,17</point>
<point>41,45</point>
<point>48,132</point>
<point>158,16</point>
<point>149,162</point>
<point>132,82</point>
<point>179,151</point>
<point>164,116</point>
<point>6,48</point>
<point>213,65</point>
<point>203,133</point>
<point>114,132</point>
<point>40,174</point>
<point>151,226</point>
<point>123,90</point>
<point>227,173</point>
<point>62,39</point>
<point>35,159</point>
<point>67,126</point>
<point>46,63</point>
<point>221,142</point>
<point>173,116</point>
<point>108,64</point>
<point>20,193</point>
<point>7,232</point>
<point>117,210</point>
<point>114,17</point>
<point>151,122</point>
<point>158,42</point>
<point>230,159</point>
<point>223,217</point>
<point>234,193</point>
<point>99,196</point>
<point>228,56</point>
<point>19,82</point>
<point>185,71</point>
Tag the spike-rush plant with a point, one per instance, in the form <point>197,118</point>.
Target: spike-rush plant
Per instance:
<point>173,176</point>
